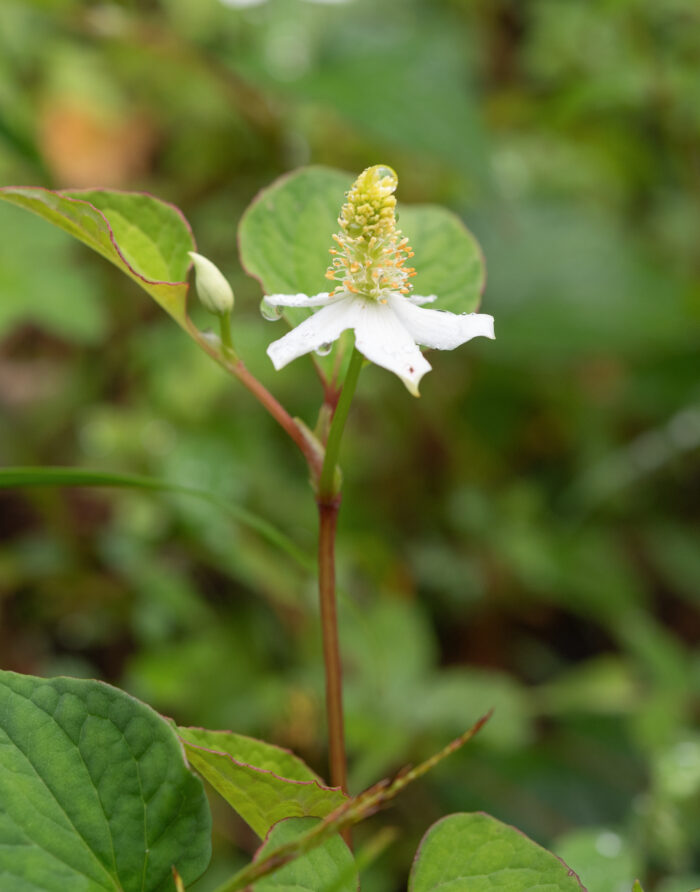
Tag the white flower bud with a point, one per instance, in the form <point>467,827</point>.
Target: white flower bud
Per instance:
<point>212,288</point>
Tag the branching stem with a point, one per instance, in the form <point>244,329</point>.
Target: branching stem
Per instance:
<point>236,367</point>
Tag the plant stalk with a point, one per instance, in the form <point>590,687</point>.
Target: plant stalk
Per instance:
<point>328,517</point>
<point>237,368</point>
<point>328,499</point>
<point>327,483</point>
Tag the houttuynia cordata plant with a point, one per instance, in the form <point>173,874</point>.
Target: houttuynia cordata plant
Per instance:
<point>97,790</point>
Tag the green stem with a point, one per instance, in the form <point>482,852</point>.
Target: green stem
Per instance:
<point>236,367</point>
<point>226,340</point>
<point>328,517</point>
<point>328,499</point>
<point>326,486</point>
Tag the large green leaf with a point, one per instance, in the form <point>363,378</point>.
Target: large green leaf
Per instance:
<point>146,238</point>
<point>329,867</point>
<point>262,782</point>
<point>477,853</point>
<point>94,792</point>
<point>448,261</point>
<point>286,232</point>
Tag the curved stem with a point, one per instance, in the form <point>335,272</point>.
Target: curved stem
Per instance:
<point>326,485</point>
<point>237,368</point>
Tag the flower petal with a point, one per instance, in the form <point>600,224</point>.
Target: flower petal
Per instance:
<point>324,327</point>
<point>418,300</point>
<point>303,300</point>
<point>440,329</point>
<point>380,336</point>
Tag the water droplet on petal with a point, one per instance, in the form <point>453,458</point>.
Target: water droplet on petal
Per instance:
<point>324,349</point>
<point>354,229</point>
<point>269,311</point>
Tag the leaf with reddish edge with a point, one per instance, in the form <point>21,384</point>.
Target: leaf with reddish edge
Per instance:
<point>352,811</point>
<point>263,783</point>
<point>146,238</point>
<point>477,853</point>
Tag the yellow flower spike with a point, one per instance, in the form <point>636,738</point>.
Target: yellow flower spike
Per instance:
<point>370,242</point>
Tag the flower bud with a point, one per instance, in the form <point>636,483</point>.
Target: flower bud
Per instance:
<point>212,288</point>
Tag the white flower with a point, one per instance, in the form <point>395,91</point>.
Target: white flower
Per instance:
<point>374,298</point>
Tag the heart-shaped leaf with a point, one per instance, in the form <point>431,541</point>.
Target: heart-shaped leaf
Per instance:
<point>95,795</point>
<point>477,853</point>
<point>329,867</point>
<point>146,238</point>
<point>262,782</point>
<point>286,232</point>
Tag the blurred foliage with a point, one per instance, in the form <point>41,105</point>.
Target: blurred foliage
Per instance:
<point>526,536</point>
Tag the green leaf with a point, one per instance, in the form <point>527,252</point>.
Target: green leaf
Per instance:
<point>286,232</point>
<point>262,782</point>
<point>352,811</point>
<point>13,478</point>
<point>448,261</point>
<point>637,887</point>
<point>146,238</point>
<point>329,867</point>
<point>477,853</point>
<point>94,792</point>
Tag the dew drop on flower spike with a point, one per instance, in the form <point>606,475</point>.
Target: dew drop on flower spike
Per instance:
<point>383,172</point>
<point>370,256</point>
<point>268,312</point>
<point>324,349</point>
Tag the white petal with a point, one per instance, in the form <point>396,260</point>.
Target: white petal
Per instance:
<point>380,336</point>
<point>418,300</point>
<point>303,300</point>
<point>440,329</point>
<point>323,327</point>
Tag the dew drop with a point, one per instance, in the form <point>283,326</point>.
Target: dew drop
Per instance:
<point>269,312</point>
<point>324,349</point>
<point>354,229</point>
<point>384,172</point>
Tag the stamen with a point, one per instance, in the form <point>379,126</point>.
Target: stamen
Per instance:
<point>373,252</point>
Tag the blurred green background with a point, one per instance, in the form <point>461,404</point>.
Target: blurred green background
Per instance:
<point>525,536</point>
